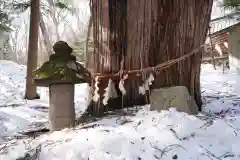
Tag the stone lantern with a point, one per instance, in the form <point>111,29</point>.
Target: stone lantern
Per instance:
<point>60,74</point>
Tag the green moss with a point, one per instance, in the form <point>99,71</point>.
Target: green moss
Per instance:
<point>61,68</point>
<point>58,71</point>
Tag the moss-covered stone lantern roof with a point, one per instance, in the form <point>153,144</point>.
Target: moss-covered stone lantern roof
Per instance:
<point>61,68</point>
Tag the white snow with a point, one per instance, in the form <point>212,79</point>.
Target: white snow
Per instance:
<point>17,114</point>
<point>147,135</point>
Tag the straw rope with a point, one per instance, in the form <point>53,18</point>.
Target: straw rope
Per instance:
<point>157,69</point>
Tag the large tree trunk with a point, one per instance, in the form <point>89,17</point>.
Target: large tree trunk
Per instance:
<point>32,49</point>
<point>178,27</point>
<point>155,31</point>
<point>109,38</point>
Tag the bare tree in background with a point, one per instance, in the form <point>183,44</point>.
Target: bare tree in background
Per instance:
<point>45,34</point>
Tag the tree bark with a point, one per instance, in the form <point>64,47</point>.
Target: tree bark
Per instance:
<point>32,49</point>
<point>87,41</point>
<point>46,38</point>
<point>157,31</point>
<point>56,22</point>
<point>179,26</point>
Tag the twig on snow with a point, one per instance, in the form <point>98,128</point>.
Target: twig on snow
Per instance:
<point>5,146</point>
<point>169,148</point>
<point>207,156</point>
<point>90,126</point>
<point>175,134</point>
<point>230,125</point>
<point>52,144</point>
<point>162,153</point>
<point>178,137</point>
<point>207,124</point>
<point>35,133</point>
<point>226,155</point>
<point>138,124</point>
<point>27,144</point>
<point>123,120</point>
<point>166,149</point>
<point>212,155</point>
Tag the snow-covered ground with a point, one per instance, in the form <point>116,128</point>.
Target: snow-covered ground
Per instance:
<point>17,114</point>
<point>147,135</point>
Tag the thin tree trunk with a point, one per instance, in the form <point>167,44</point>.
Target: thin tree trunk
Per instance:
<point>56,22</point>
<point>42,56</point>
<point>46,38</point>
<point>32,49</point>
<point>87,40</point>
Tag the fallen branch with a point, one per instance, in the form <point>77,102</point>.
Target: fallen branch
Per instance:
<point>90,126</point>
<point>51,144</point>
<point>35,133</point>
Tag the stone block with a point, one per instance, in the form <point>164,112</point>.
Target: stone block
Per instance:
<point>173,97</point>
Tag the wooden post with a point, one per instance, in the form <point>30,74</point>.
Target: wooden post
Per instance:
<point>61,110</point>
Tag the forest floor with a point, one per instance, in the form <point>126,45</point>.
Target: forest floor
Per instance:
<point>213,134</point>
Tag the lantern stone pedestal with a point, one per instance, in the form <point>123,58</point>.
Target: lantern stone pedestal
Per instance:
<point>60,74</point>
<point>61,104</point>
<point>61,97</point>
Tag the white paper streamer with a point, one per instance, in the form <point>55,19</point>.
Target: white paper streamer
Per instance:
<point>146,85</point>
<point>96,95</point>
<point>142,90</point>
<point>110,92</point>
<point>121,87</point>
<point>150,79</point>
<point>125,77</point>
